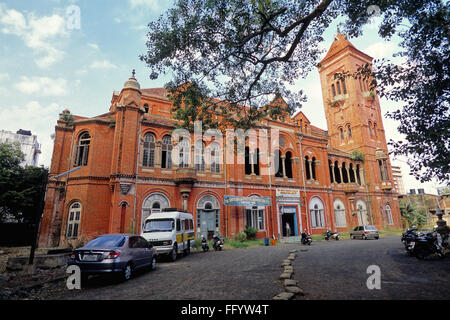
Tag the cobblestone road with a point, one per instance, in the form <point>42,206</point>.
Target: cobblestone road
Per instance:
<point>326,270</point>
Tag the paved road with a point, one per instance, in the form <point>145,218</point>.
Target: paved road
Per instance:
<point>338,270</point>
<point>234,274</point>
<point>326,270</point>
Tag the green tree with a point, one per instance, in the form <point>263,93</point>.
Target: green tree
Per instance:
<point>415,217</point>
<point>20,187</point>
<point>248,52</point>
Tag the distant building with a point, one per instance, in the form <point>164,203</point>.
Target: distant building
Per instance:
<point>28,145</point>
<point>423,202</point>
<point>398,179</point>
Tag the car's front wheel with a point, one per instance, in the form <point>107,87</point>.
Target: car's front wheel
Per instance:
<point>173,254</point>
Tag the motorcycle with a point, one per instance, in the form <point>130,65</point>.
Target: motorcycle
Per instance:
<point>331,235</point>
<point>409,239</point>
<point>306,239</point>
<point>428,245</point>
<point>205,245</point>
<point>217,243</point>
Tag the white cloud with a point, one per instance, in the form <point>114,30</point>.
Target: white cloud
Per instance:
<point>4,76</point>
<point>153,4</point>
<point>379,50</point>
<point>42,86</point>
<point>41,120</point>
<point>38,33</point>
<point>105,64</point>
<point>94,46</point>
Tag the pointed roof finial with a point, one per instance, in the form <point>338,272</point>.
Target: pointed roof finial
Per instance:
<point>338,31</point>
<point>133,73</point>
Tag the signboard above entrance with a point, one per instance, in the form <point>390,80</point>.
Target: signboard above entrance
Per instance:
<point>288,193</point>
<point>246,201</point>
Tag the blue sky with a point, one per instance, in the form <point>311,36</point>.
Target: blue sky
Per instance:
<point>48,64</point>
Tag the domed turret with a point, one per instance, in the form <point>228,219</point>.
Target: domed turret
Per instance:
<point>132,83</point>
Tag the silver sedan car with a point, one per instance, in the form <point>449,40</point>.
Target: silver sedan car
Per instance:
<point>114,253</point>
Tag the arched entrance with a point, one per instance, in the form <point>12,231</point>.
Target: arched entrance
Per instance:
<point>155,202</point>
<point>208,216</point>
<point>361,212</point>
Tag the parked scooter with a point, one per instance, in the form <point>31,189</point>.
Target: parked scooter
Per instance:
<point>306,238</point>
<point>217,243</point>
<point>409,239</point>
<point>428,245</point>
<point>205,245</point>
<point>331,235</point>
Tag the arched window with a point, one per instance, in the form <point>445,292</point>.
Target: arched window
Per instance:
<point>339,214</point>
<point>313,168</point>
<point>146,108</point>
<point>349,129</point>
<point>338,87</point>
<point>278,166</point>
<point>155,202</point>
<point>184,153</point>
<point>307,167</point>
<point>208,216</point>
<point>337,172</point>
<point>370,128</point>
<point>251,161</point>
<point>73,220</point>
<point>166,152</point>
<point>341,131</point>
<point>316,213</point>
<point>344,87</point>
<point>82,153</point>
<point>352,173</point>
<point>389,214</point>
<point>200,155</point>
<point>215,157</point>
<point>333,90</point>
<point>344,173</point>
<point>148,158</point>
<point>288,164</point>
<point>375,129</point>
<point>330,167</point>
<point>361,212</point>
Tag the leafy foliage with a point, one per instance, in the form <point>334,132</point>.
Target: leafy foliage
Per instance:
<point>20,188</point>
<point>250,232</point>
<point>248,53</point>
<point>414,216</point>
<point>357,155</point>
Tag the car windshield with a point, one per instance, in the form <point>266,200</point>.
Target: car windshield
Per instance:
<point>162,225</point>
<point>107,241</point>
<point>371,228</point>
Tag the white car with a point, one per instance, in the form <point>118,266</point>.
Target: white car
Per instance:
<point>364,233</point>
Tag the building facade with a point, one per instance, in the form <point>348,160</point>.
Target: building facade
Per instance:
<point>333,179</point>
<point>29,145</point>
<point>398,180</point>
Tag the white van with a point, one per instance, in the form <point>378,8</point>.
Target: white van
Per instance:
<point>170,232</point>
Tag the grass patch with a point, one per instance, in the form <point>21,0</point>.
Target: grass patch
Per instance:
<point>230,243</point>
<point>390,232</point>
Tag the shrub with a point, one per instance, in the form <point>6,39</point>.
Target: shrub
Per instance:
<point>250,232</point>
<point>241,236</point>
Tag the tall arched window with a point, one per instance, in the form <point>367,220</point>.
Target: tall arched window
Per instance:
<point>200,155</point>
<point>341,131</point>
<point>316,213</point>
<point>73,220</point>
<point>215,157</point>
<point>370,128</point>
<point>338,87</point>
<point>333,90</point>
<point>166,152</point>
<point>349,129</point>
<point>82,153</point>
<point>148,158</point>
<point>339,214</point>
<point>313,168</point>
<point>375,129</point>
<point>184,153</point>
<point>288,164</point>
<point>308,173</point>
<point>344,87</point>
<point>278,166</point>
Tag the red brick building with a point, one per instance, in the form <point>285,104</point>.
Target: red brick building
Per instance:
<point>126,168</point>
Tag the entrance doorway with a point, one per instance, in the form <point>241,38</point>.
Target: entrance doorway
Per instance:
<point>208,217</point>
<point>289,221</point>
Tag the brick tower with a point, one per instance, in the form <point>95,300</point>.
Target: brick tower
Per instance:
<point>354,120</point>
